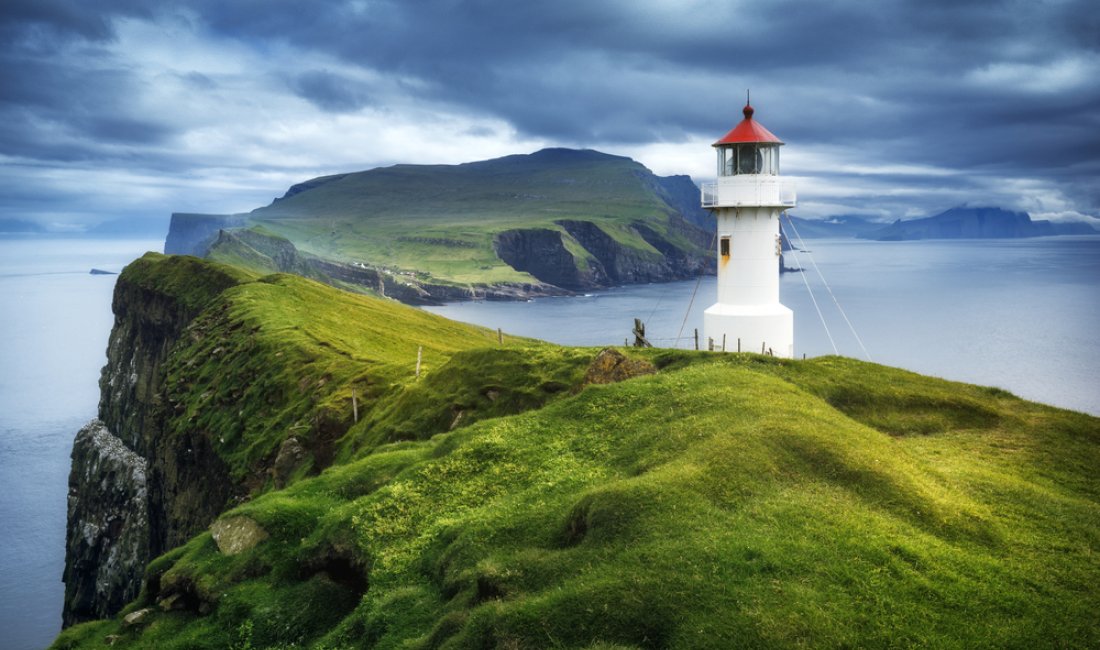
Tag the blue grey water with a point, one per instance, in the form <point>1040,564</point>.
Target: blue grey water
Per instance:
<point>54,322</point>
<point>1020,314</point>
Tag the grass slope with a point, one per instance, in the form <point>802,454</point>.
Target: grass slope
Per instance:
<point>441,219</point>
<point>726,501</point>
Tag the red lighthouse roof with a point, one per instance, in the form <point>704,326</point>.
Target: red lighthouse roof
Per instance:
<point>749,130</point>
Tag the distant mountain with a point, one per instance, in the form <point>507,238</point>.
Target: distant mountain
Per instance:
<point>974,223</point>
<point>542,223</point>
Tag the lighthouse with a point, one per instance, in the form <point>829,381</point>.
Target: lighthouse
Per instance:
<point>746,201</point>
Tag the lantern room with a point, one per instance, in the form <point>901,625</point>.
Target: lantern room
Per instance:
<point>748,148</point>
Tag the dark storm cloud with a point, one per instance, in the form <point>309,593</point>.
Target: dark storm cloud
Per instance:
<point>330,92</point>
<point>987,89</point>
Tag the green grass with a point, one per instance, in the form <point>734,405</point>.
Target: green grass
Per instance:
<point>282,356</point>
<point>726,501</point>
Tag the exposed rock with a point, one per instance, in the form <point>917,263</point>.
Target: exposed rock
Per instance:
<point>611,366</point>
<point>546,254</point>
<point>136,618</point>
<point>542,253</point>
<point>235,535</point>
<point>291,456</point>
<point>108,528</point>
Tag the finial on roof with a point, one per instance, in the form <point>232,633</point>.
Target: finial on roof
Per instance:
<point>747,111</point>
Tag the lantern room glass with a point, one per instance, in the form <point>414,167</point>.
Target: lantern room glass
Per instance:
<point>748,159</point>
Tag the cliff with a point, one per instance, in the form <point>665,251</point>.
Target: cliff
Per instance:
<point>115,521</point>
<point>313,491</point>
<point>199,396</point>
<point>192,234</point>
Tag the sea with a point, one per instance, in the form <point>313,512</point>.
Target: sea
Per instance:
<point>1023,315</point>
<point>55,317</point>
<point>1019,314</point>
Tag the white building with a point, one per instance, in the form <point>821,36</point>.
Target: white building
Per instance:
<point>747,200</point>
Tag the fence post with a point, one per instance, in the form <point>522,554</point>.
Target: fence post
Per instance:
<point>419,355</point>
<point>500,336</point>
<point>738,345</point>
<point>354,406</point>
<point>723,341</point>
<point>762,348</point>
<point>696,338</point>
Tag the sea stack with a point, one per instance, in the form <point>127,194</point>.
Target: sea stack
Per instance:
<point>746,201</point>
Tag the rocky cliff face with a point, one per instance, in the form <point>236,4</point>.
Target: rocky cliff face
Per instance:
<point>583,255</point>
<point>118,491</point>
<point>192,234</point>
<point>107,542</point>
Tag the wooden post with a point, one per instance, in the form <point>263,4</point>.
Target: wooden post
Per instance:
<point>803,356</point>
<point>500,336</point>
<point>723,341</point>
<point>419,356</point>
<point>640,340</point>
<point>710,344</point>
<point>696,338</point>
<point>354,406</point>
<point>738,345</point>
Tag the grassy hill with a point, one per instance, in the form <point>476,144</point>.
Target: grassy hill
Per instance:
<point>503,500</point>
<point>594,219</point>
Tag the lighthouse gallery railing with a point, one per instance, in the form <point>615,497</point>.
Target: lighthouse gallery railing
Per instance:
<point>750,190</point>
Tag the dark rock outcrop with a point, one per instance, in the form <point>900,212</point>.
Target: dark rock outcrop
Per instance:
<point>107,541</point>
<point>542,253</point>
<point>552,256</point>
<point>611,366</point>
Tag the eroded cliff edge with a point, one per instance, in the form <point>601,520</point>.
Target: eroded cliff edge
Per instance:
<point>116,523</point>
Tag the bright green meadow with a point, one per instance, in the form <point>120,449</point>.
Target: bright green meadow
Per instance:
<point>500,501</point>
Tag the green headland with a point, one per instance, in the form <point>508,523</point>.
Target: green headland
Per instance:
<point>548,222</point>
<point>519,494</point>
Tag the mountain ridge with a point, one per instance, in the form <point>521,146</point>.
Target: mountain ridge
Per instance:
<point>974,223</point>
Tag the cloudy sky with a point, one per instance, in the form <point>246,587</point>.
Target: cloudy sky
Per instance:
<point>898,108</point>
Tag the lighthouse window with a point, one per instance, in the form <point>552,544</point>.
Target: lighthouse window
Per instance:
<point>727,161</point>
<point>748,159</point>
<point>724,247</point>
<point>767,155</point>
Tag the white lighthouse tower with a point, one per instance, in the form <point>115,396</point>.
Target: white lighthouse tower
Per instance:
<point>747,200</point>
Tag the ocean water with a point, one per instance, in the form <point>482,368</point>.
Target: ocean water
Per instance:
<point>1023,315</point>
<point>54,321</point>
